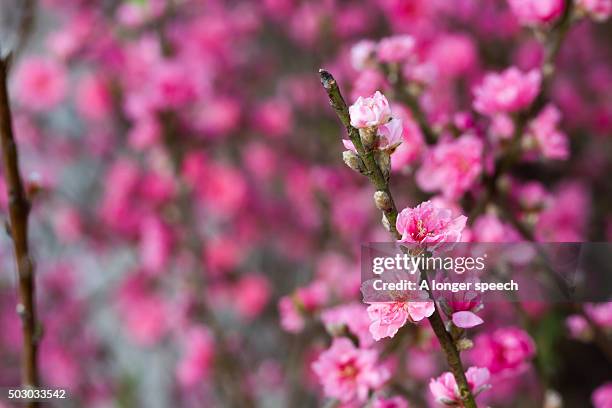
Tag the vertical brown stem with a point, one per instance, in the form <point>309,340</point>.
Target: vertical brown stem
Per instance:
<point>19,210</point>
<point>376,177</point>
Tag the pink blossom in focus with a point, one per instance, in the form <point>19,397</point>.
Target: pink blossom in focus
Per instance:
<point>41,83</point>
<point>551,142</point>
<point>388,317</point>
<point>602,396</point>
<point>370,112</point>
<point>508,91</point>
<point>505,351</point>
<point>427,223</point>
<point>452,166</point>
<point>466,319</point>
<point>197,359</point>
<point>349,373</point>
<point>389,137</point>
<point>599,10</point>
<point>445,390</point>
<point>531,12</point>
<point>399,48</point>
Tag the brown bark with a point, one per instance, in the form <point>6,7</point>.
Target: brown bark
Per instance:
<point>19,210</point>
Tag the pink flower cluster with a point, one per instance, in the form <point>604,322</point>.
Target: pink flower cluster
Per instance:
<point>452,166</point>
<point>505,351</point>
<point>537,11</point>
<point>445,390</point>
<point>429,224</point>
<point>349,373</point>
<point>388,318</point>
<point>368,112</point>
<point>506,92</point>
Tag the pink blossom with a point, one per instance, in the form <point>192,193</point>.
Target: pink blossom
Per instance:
<point>602,396</point>
<point>388,317</point>
<point>144,313</point>
<point>600,314</point>
<point>453,55</point>
<point>427,223</point>
<point>551,142</point>
<point>505,92</point>
<point>218,117</point>
<point>370,112</point>
<point>389,137</point>
<point>531,12</point>
<point>489,228</point>
<point>349,373</point>
<point>145,133</point>
<point>392,402</point>
<point>502,126</point>
<point>251,295</point>
<point>367,82</point>
<point>578,327</point>
<point>274,118</point>
<point>398,48</point>
<point>41,83</point>
<point>466,319</point>
<point>352,316</point>
<point>173,85</point>
<point>291,318</point>
<point>197,359</point>
<point>362,53</point>
<point>599,10</point>
<point>505,351</point>
<point>446,391</point>
<point>155,244</point>
<point>412,140</point>
<point>452,166</point>
<point>93,98</point>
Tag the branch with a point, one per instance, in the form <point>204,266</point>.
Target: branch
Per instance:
<point>552,46</point>
<point>19,210</point>
<point>378,180</point>
<point>404,94</point>
<point>228,368</point>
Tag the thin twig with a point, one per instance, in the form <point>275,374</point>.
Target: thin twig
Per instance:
<point>19,210</point>
<point>403,94</point>
<point>378,180</point>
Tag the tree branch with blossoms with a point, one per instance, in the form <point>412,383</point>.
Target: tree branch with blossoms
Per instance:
<point>19,211</point>
<point>364,161</point>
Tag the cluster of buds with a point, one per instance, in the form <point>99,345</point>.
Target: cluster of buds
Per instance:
<point>378,131</point>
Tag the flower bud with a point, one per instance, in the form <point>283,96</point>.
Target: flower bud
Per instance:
<point>464,344</point>
<point>382,200</point>
<point>352,160</point>
<point>383,159</point>
<point>385,222</point>
<point>368,136</point>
